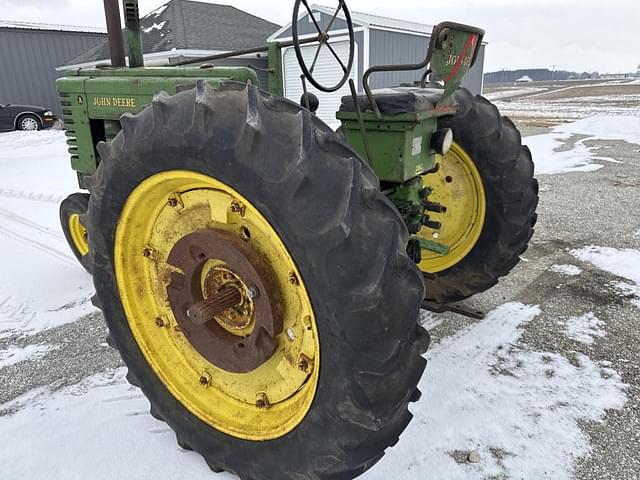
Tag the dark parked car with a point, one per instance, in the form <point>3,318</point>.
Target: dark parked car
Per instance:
<point>25,117</point>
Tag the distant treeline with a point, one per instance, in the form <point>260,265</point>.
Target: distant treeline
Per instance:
<point>536,74</point>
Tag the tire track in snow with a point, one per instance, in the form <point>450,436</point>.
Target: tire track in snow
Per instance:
<point>25,195</point>
<point>39,246</point>
<point>9,215</point>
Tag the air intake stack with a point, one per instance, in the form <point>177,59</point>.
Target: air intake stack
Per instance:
<point>132,33</point>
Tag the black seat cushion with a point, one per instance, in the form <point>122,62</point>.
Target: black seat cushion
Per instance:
<point>393,101</point>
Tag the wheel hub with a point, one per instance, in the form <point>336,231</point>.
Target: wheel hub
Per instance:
<point>235,332</point>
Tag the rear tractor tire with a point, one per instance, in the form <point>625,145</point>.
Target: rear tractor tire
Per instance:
<point>490,196</point>
<point>72,219</point>
<point>275,333</point>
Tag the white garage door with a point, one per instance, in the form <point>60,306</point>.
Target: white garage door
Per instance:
<point>327,72</point>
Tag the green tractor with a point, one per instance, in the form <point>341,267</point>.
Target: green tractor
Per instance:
<point>261,274</point>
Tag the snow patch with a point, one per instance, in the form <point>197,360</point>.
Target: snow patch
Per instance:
<point>624,263</point>
<point>625,128</point>
<point>569,270</point>
<point>155,26</point>
<point>518,409</point>
<point>629,290</point>
<point>583,329</point>
<point>549,159</point>
<point>80,430</point>
<point>14,355</point>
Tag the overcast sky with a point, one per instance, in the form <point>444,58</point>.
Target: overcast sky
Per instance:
<point>580,35</point>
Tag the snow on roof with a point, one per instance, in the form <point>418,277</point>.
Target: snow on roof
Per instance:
<point>50,26</point>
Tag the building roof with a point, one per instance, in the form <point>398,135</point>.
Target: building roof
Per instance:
<point>364,20</point>
<point>192,25</point>
<point>49,27</point>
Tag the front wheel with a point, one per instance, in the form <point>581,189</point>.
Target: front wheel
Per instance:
<point>486,186</point>
<point>29,123</point>
<point>276,334</point>
<point>72,211</point>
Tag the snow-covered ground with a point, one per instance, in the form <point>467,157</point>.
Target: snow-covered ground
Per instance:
<point>492,406</point>
<point>556,105</point>
<point>517,409</point>
<point>41,283</point>
<point>512,92</point>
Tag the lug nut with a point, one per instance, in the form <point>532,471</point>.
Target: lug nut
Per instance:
<point>205,379</point>
<point>159,323</point>
<point>293,279</point>
<point>237,207</point>
<point>262,401</point>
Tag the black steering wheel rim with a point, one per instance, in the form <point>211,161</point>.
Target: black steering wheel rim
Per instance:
<point>323,39</point>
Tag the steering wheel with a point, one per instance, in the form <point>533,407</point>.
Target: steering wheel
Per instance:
<point>323,40</point>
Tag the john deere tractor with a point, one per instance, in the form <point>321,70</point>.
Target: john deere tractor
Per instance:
<point>261,274</point>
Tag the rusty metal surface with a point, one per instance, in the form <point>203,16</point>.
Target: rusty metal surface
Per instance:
<point>206,310</point>
<point>114,29</point>
<point>230,352</point>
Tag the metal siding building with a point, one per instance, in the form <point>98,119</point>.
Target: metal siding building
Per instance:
<point>29,57</point>
<point>379,41</point>
<point>389,47</point>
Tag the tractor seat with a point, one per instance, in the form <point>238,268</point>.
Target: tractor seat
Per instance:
<point>394,101</point>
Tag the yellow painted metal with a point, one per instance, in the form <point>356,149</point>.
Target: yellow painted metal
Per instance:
<point>78,234</point>
<point>458,186</point>
<point>261,405</point>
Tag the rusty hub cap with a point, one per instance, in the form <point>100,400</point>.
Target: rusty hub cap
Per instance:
<point>215,300</point>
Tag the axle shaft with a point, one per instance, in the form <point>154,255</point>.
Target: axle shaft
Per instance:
<point>205,311</point>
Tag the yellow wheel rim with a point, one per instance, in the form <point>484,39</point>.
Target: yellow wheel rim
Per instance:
<point>260,405</point>
<point>78,234</point>
<point>457,185</point>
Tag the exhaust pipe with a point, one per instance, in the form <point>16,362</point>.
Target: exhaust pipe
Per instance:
<point>114,33</point>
